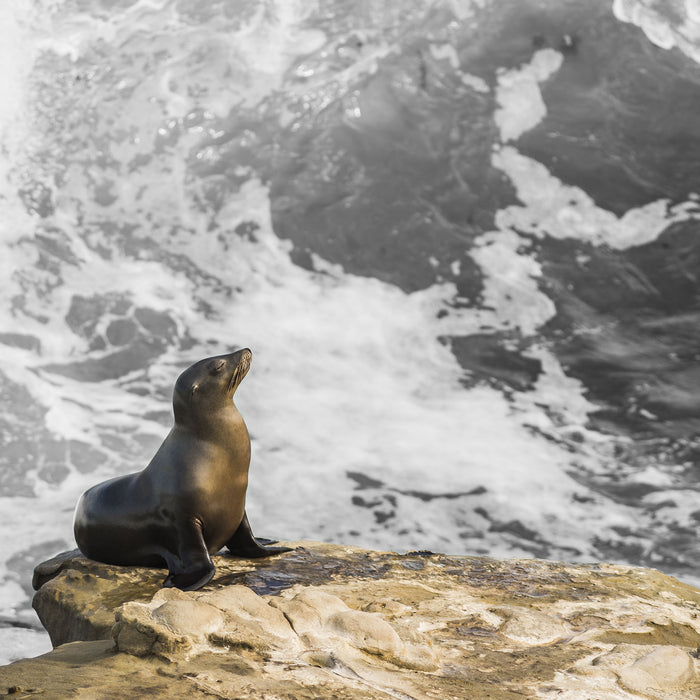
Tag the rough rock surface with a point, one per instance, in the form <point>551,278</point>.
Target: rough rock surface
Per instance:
<point>328,621</point>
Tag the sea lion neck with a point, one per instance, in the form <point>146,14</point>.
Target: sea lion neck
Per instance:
<point>214,424</point>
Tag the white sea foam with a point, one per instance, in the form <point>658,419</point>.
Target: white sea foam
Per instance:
<point>20,643</point>
<point>562,211</point>
<point>521,106</point>
<point>16,59</point>
<point>510,284</point>
<point>660,23</point>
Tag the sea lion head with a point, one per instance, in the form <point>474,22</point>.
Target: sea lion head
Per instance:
<point>209,384</point>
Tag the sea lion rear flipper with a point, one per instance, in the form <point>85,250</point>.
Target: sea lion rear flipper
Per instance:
<point>49,569</point>
<point>243,543</point>
<point>193,567</point>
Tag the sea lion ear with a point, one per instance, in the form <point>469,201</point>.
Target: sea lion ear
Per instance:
<point>194,389</point>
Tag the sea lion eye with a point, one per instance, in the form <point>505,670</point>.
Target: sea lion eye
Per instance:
<point>218,366</point>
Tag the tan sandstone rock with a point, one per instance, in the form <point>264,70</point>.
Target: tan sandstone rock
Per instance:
<point>343,622</point>
<point>663,670</point>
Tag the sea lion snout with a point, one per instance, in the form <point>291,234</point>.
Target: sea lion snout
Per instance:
<point>240,362</point>
<point>245,357</point>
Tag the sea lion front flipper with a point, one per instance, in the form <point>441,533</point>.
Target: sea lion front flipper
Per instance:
<point>193,567</point>
<point>243,543</point>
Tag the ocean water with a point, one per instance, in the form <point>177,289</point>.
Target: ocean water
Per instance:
<point>459,236</point>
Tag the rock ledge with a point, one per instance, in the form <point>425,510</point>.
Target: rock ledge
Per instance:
<point>343,622</point>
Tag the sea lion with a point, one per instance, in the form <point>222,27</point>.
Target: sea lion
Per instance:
<point>190,500</point>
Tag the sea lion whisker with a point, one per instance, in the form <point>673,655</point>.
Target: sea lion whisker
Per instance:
<point>234,380</point>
